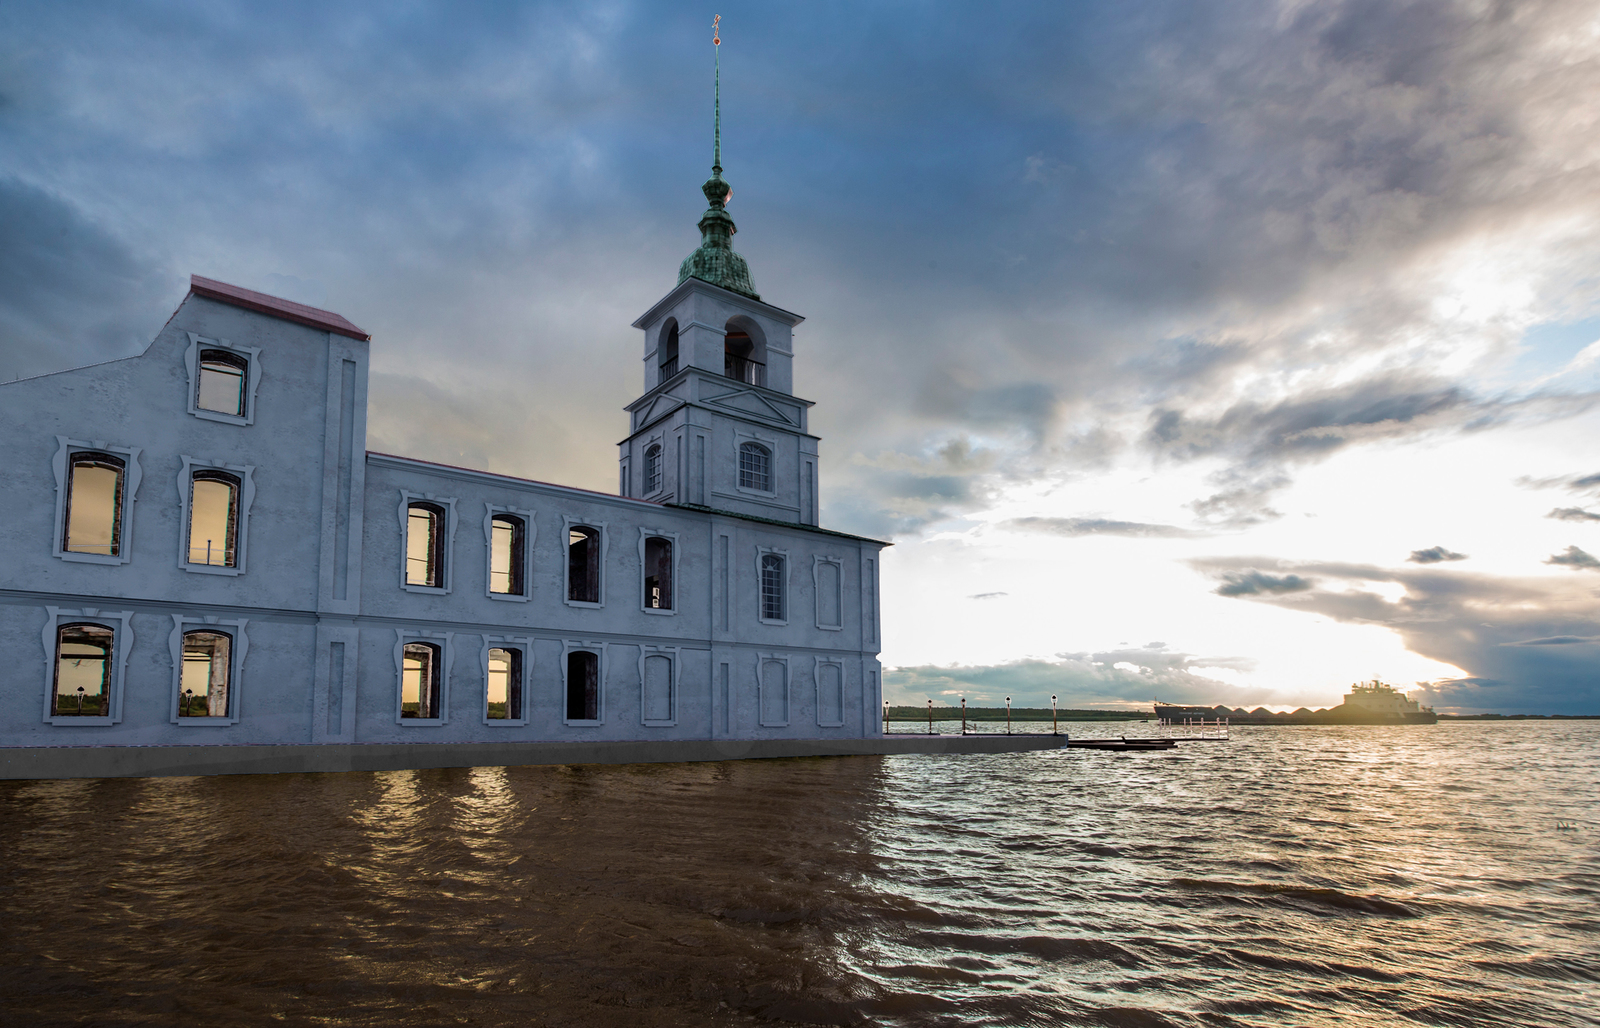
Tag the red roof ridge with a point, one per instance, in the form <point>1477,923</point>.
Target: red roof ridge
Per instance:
<point>276,306</point>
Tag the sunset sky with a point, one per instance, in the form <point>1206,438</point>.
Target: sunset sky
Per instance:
<point>1221,352</point>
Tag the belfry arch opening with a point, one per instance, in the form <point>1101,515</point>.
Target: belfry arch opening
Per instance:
<point>745,351</point>
<point>667,350</point>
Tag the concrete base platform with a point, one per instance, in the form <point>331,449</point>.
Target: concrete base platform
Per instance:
<point>163,761</point>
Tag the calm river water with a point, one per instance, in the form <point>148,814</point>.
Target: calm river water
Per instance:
<point>1294,876</point>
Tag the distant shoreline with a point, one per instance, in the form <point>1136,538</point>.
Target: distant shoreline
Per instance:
<point>898,714</point>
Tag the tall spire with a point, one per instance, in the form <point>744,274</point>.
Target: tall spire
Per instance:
<point>715,261</point>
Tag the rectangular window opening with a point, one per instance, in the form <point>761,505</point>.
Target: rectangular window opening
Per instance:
<point>507,555</point>
<point>772,593</point>
<point>213,519</point>
<point>505,684</point>
<point>658,573</point>
<point>425,545</point>
<point>203,685</point>
<point>583,564</point>
<point>583,686</point>
<point>222,382</point>
<point>83,671</point>
<point>94,504</point>
<point>419,681</point>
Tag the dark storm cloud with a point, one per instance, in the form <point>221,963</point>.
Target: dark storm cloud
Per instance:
<point>1434,555</point>
<point>1573,514</point>
<point>1099,526</point>
<point>1499,629</point>
<point>1575,558</point>
<point>1041,225</point>
<point>67,286</point>
<point>1128,678</point>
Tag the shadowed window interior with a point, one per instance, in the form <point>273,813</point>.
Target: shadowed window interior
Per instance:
<point>652,469</point>
<point>203,687</point>
<point>419,680</point>
<point>221,385</point>
<point>213,519</point>
<point>583,564</point>
<point>583,686</point>
<point>507,556</point>
<point>739,359</point>
<point>658,573</point>
<point>505,684</point>
<point>94,504</point>
<point>668,354</point>
<point>425,545</point>
<point>83,671</point>
<point>755,467</point>
<point>772,587</point>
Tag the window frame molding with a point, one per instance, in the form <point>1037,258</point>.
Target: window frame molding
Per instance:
<point>445,642</point>
<point>238,646</point>
<point>530,532</point>
<point>817,560</point>
<point>844,687</point>
<point>763,551</point>
<point>132,475</point>
<point>671,653</point>
<point>770,443</point>
<point>448,549</point>
<point>508,642</point>
<point>762,658</point>
<point>252,357</point>
<point>247,496</point>
<point>646,534</point>
<point>568,523</point>
<point>568,646</point>
<point>656,439</point>
<point>121,624</point>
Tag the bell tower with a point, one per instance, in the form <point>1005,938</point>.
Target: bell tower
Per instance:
<point>719,425</point>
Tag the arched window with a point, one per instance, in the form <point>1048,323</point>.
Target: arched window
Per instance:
<point>94,504</point>
<point>214,519</point>
<point>772,593</point>
<point>667,352</point>
<point>419,680</point>
<point>83,671</point>
<point>505,684</point>
<point>658,573</point>
<point>583,686</point>
<point>205,679</point>
<point>652,469</point>
<point>583,564</point>
<point>425,545</point>
<point>507,554</point>
<point>755,467</point>
<point>221,382</point>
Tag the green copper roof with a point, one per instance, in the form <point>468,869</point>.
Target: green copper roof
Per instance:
<point>715,261</point>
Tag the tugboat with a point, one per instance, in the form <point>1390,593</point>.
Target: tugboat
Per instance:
<point>1367,703</point>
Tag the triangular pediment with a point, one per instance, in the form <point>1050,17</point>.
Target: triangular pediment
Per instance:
<point>754,404</point>
<point>660,407</point>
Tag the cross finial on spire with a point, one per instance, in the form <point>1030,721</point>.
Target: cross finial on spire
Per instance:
<point>716,146</point>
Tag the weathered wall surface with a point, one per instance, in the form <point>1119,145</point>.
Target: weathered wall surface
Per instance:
<point>320,599</point>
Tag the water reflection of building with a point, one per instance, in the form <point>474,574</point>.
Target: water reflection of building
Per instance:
<point>200,549</point>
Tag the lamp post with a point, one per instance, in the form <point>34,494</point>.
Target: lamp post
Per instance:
<point>1055,726</point>
<point>80,699</point>
<point>963,715</point>
<point>1008,715</point>
<point>930,717</point>
<point>885,717</point>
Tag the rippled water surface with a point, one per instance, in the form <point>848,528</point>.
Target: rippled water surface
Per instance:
<point>1293,876</point>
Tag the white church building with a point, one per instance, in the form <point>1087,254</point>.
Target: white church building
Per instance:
<point>198,549</point>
